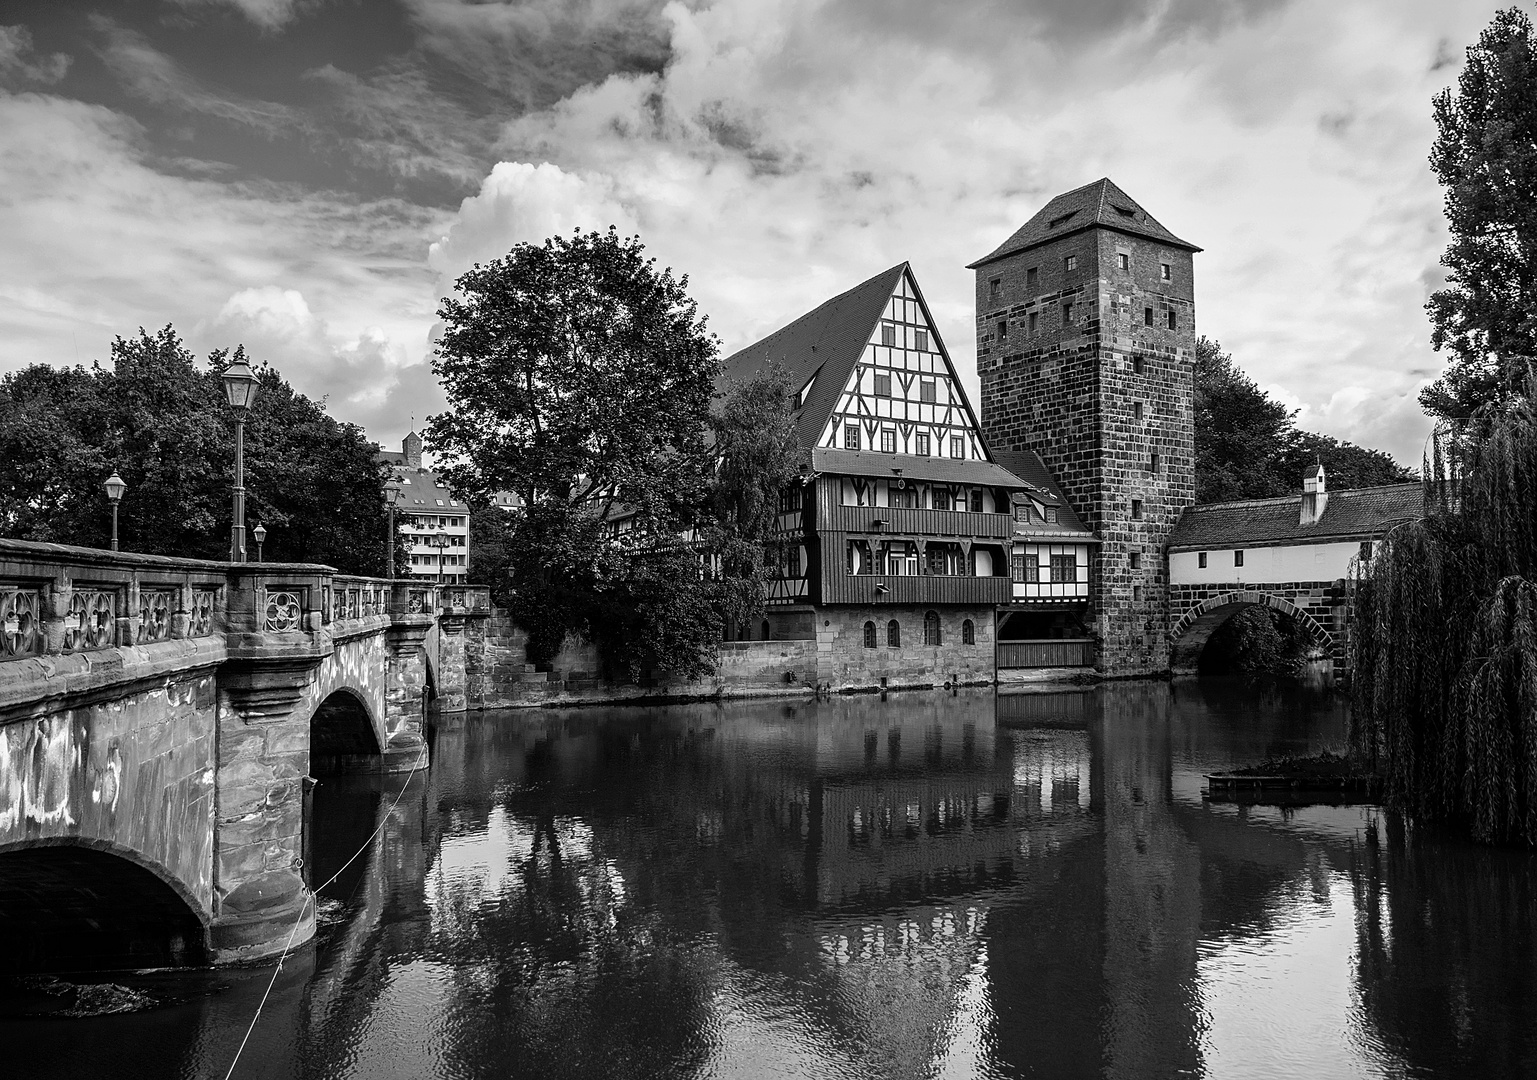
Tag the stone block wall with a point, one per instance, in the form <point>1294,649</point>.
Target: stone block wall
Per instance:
<point>1096,399</point>
<point>844,662</point>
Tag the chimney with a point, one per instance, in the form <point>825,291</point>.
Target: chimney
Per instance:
<point>412,449</point>
<point>1315,496</point>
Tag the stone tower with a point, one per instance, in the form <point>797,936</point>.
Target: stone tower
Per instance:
<point>1086,352</point>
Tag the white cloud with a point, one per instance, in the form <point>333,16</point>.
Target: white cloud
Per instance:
<point>99,243</point>
<point>19,62</point>
<point>267,14</point>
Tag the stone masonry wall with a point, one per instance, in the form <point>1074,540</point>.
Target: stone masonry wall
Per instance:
<point>1071,393</point>
<point>843,661</point>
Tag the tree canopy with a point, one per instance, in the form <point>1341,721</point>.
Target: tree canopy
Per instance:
<point>161,421</point>
<point>1248,447</point>
<point>1485,156</point>
<point>581,377</point>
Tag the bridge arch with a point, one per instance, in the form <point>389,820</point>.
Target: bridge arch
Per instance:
<point>1192,630</point>
<point>71,904</point>
<point>344,732</point>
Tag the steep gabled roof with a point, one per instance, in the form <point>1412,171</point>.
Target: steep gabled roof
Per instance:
<point>1100,203</point>
<point>826,342</point>
<point>1352,514</point>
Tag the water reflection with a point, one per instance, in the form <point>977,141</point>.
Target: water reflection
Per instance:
<point>930,885</point>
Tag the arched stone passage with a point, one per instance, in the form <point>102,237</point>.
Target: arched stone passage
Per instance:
<point>1195,627</point>
<point>72,907</point>
<point>343,736</point>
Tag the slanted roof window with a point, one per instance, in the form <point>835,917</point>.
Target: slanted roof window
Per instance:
<point>1061,219</point>
<point>1124,211</point>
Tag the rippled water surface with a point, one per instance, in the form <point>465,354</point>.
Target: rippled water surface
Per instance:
<point>925,886</point>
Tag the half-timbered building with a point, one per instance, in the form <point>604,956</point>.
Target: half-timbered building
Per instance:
<point>905,523</point>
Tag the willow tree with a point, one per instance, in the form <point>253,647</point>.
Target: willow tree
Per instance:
<point>1445,650</point>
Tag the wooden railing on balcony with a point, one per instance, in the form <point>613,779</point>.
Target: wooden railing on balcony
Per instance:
<point>930,589</point>
<point>903,522</point>
<point>1050,653</point>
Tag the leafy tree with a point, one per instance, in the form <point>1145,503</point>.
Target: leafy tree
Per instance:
<point>1247,446</point>
<point>1485,156</point>
<point>161,421</point>
<point>759,459</point>
<point>492,542</point>
<point>580,377</point>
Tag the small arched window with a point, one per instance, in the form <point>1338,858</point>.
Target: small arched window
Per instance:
<point>968,633</point>
<point>894,634</point>
<point>869,635</point>
<point>931,632</point>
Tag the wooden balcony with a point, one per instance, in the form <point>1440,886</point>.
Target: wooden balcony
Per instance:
<point>840,588</point>
<point>897,521</point>
<point>1049,653</point>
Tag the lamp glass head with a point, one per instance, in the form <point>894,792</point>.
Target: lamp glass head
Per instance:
<point>392,493</point>
<point>239,385</point>
<point>260,532</point>
<point>115,486</point>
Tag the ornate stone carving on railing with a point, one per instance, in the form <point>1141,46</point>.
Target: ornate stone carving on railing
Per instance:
<point>155,608</point>
<point>91,620</point>
<point>200,612</point>
<point>20,622</point>
<point>418,600</point>
<point>284,612</point>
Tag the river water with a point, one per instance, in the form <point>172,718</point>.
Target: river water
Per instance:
<point>929,885</point>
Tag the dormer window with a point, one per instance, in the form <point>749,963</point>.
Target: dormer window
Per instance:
<point>800,399</point>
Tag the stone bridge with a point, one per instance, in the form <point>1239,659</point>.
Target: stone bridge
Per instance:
<point>161,721</point>
<point>1320,609</point>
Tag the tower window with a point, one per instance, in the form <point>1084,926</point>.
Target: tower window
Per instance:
<point>1033,320</point>
<point>1125,260</point>
<point>1172,320</point>
<point>851,436</point>
<point>1136,560</point>
<point>882,385</point>
<point>1003,329</point>
<point>995,288</point>
<point>1070,263</point>
<point>1238,558</point>
<point>927,390</point>
<point>1067,313</point>
<point>1153,462</point>
<point>888,441</point>
<point>957,446</point>
<point>1136,411</point>
<point>1165,271</point>
<point>1136,593</point>
<point>1136,513</point>
<point>1147,316</point>
<point>888,334</point>
<point>921,340</point>
<point>1200,559</point>
<point>1136,365</point>
<point>1031,275</point>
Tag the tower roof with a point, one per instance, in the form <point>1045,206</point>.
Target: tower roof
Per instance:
<point>828,340</point>
<point>1099,204</point>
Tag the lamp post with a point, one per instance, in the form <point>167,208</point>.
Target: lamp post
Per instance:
<point>239,391</point>
<point>391,497</point>
<point>260,533</point>
<point>439,540</point>
<point>115,489</point>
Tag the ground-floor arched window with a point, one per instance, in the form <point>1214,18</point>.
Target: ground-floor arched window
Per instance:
<point>968,633</point>
<point>869,635</point>
<point>931,631</point>
<point>894,634</point>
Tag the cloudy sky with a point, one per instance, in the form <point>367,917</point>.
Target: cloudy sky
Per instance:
<point>309,176</point>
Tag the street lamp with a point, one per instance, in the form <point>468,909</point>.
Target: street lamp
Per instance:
<point>115,489</point>
<point>391,497</point>
<point>260,532</point>
<point>439,540</point>
<point>239,391</point>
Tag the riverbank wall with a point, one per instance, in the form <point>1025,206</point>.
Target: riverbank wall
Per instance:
<point>491,669</point>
